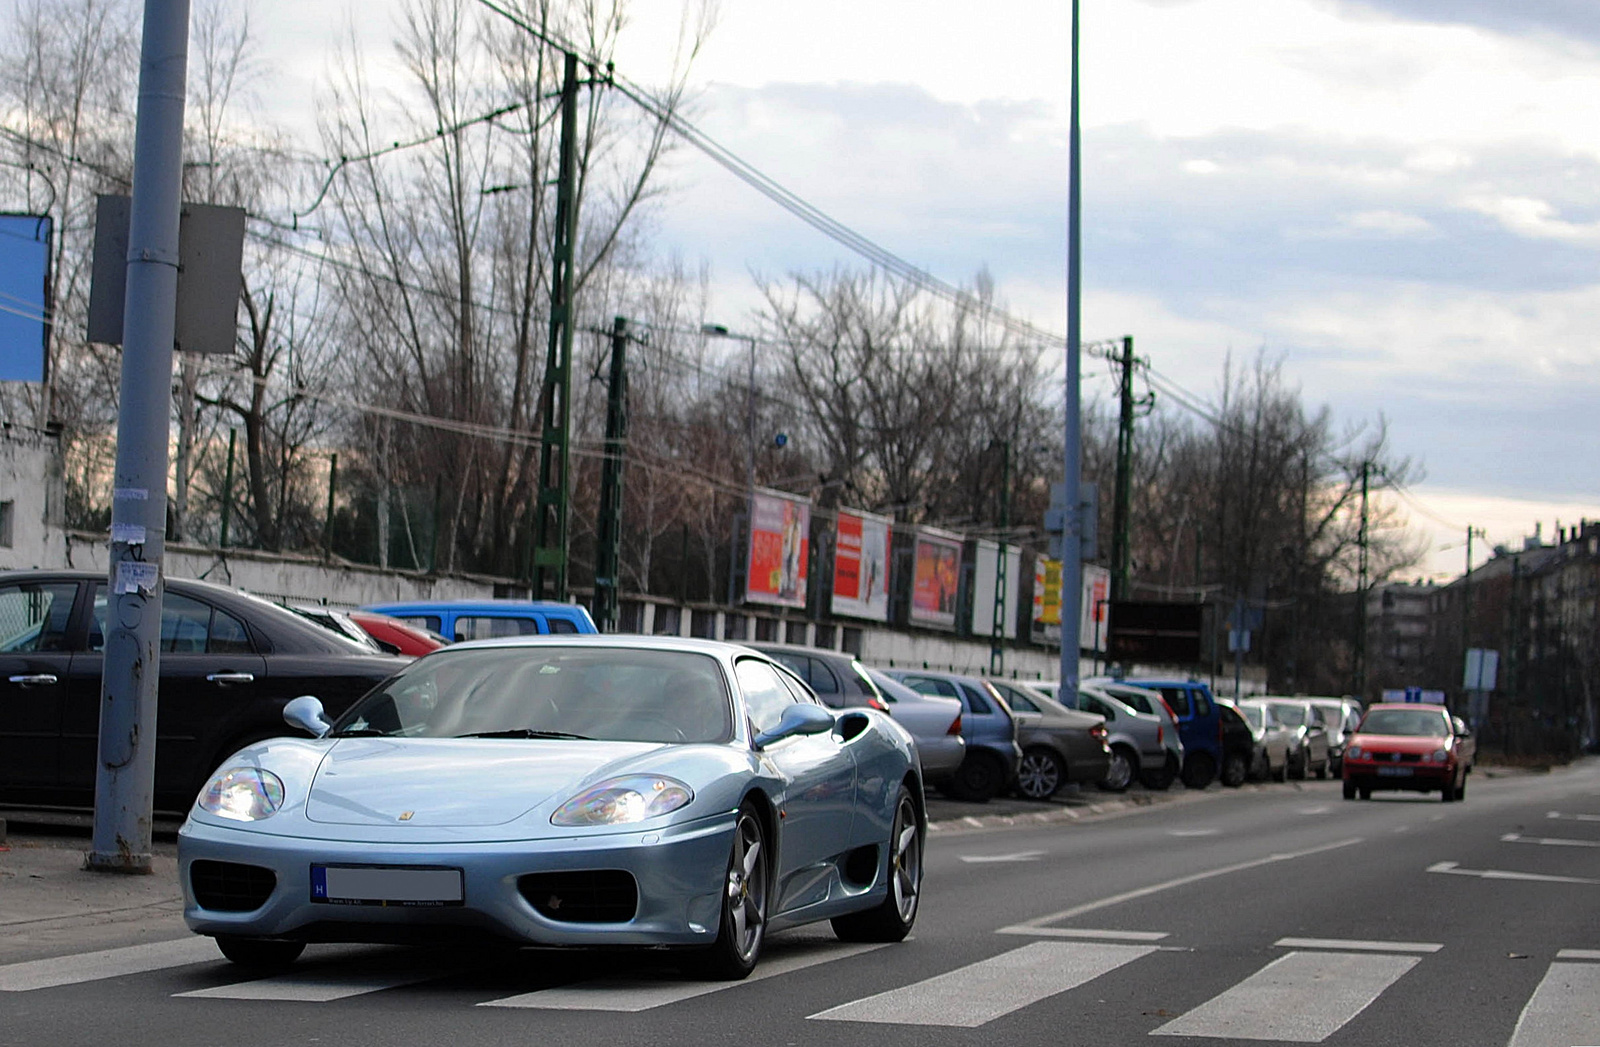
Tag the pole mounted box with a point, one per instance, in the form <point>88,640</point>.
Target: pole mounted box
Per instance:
<point>1055,521</point>
<point>210,263</point>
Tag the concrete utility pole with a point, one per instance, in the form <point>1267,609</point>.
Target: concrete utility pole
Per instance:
<point>125,776</point>
<point>1072,442</point>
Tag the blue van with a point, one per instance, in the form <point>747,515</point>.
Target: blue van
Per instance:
<point>481,619</point>
<point>1199,725</point>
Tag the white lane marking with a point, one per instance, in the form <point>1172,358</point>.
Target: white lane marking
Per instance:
<point>1192,832</point>
<point>1548,841</point>
<point>1453,869</point>
<point>1578,954</point>
<point>643,994</point>
<point>1564,1009</point>
<point>1357,945</point>
<point>310,986</point>
<point>1401,829</point>
<point>1574,817</point>
<point>1020,856</point>
<point>107,963</point>
<point>1303,997</point>
<point>1156,888</point>
<point>981,992</point>
<point>1084,932</point>
<point>1319,809</point>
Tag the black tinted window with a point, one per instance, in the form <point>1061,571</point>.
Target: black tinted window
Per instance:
<point>561,625</point>
<point>976,701</point>
<point>1178,698</point>
<point>34,617</point>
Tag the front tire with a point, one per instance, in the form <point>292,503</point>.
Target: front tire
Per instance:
<point>1234,770</point>
<point>1160,778</point>
<point>891,919</point>
<point>1042,774</point>
<point>743,925</point>
<point>262,955</point>
<point>1349,790</point>
<point>1198,770</point>
<point>979,779</point>
<point>1119,775</point>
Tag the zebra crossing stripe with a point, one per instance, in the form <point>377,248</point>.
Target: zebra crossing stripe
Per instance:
<point>106,963</point>
<point>643,994</point>
<point>1302,997</point>
<point>310,986</point>
<point>981,992</point>
<point>1564,1009</point>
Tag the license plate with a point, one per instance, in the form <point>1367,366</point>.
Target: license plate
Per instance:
<point>409,885</point>
<point>1394,772</point>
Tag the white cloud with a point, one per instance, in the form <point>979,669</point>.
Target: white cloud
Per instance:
<point>1535,219</point>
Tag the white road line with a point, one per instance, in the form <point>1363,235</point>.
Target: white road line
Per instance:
<point>981,992</point>
<point>1084,932</point>
<point>310,986</point>
<point>1020,856</point>
<point>1548,841</point>
<point>1191,832</point>
<point>643,994</point>
<point>1574,817</point>
<point>1452,869</point>
<point>1156,888</point>
<point>1578,954</point>
<point>1564,1009</point>
<point>107,963</point>
<point>1357,945</point>
<point>1303,997</point>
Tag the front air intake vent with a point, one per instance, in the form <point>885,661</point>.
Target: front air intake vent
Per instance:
<point>229,886</point>
<point>598,896</point>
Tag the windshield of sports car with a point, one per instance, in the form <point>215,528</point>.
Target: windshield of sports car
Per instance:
<point>1415,723</point>
<point>584,693</point>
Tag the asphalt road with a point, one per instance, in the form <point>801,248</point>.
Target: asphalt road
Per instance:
<point>1276,914</point>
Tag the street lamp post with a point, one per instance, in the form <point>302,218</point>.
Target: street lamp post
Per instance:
<point>721,331</point>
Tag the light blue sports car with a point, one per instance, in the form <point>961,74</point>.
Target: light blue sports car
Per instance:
<point>564,791</point>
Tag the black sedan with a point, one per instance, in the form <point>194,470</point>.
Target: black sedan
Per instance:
<point>229,663</point>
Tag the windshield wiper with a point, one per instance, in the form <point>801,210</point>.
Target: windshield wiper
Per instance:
<point>359,732</point>
<point>525,732</point>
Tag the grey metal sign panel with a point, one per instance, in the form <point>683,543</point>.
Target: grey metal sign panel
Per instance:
<point>210,257</point>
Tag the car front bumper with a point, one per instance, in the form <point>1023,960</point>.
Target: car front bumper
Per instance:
<point>680,873</point>
<point>1384,774</point>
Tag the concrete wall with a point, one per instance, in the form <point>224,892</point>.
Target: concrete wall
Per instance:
<point>30,480</point>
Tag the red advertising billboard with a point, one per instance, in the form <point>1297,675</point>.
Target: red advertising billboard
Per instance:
<point>936,576</point>
<point>861,566</point>
<point>780,545</point>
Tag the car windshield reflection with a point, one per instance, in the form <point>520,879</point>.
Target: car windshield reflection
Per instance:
<point>547,692</point>
<point>1417,723</point>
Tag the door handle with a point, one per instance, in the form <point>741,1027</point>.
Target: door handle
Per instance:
<point>35,680</point>
<point>226,678</point>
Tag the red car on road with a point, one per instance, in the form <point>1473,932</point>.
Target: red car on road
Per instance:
<point>1418,748</point>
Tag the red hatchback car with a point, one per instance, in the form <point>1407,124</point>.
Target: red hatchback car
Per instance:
<point>1419,748</point>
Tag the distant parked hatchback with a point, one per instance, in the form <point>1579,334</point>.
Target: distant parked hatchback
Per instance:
<point>459,620</point>
<point>993,755</point>
<point>1138,740</point>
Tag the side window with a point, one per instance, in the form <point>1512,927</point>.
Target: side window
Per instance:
<point>1095,705</point>
<point>228,635</point>
<point>34,617</point>
<point>977,702</point>
<point>561,625</point>
<point>1178,698</point>
<point>423,621</point>
<point>469,627</point>
<point>1020,701</point>
<point>1138,701</point>
<point>821,678</point>
<point>185,625</point>
<point>929,685</point>
<point>765,696</point>
<point>1202,704</point>
<point>798,664</point>
<point>857,683</point>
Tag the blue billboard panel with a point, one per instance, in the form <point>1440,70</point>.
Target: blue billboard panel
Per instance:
<point>24,269</point>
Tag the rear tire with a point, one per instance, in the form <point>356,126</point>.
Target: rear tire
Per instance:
<point>979,779</point>
<point>1042,774</point>
<point>1322,771</point>
<point>1366,794</point>
<point>263,955</point>
<point>891,919</point>
<point>1234,770</point>
<point>1124,765</point>
<point>1281,773</point>
<point>1199,770</point>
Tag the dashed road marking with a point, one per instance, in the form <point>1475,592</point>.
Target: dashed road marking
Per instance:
<point>1085,932</point>
<point>1548,841</point>
<point>1453,869</point>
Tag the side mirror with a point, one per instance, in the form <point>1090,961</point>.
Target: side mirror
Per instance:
<point>796,719</point>
<point>306,713</point>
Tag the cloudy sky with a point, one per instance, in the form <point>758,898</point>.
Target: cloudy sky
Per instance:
<point>1400,199</point>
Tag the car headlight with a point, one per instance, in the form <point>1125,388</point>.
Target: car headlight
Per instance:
<point>1439,756</point>
<point>620,801</point>
<point>1354,752</point>
<point>243,794</point>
